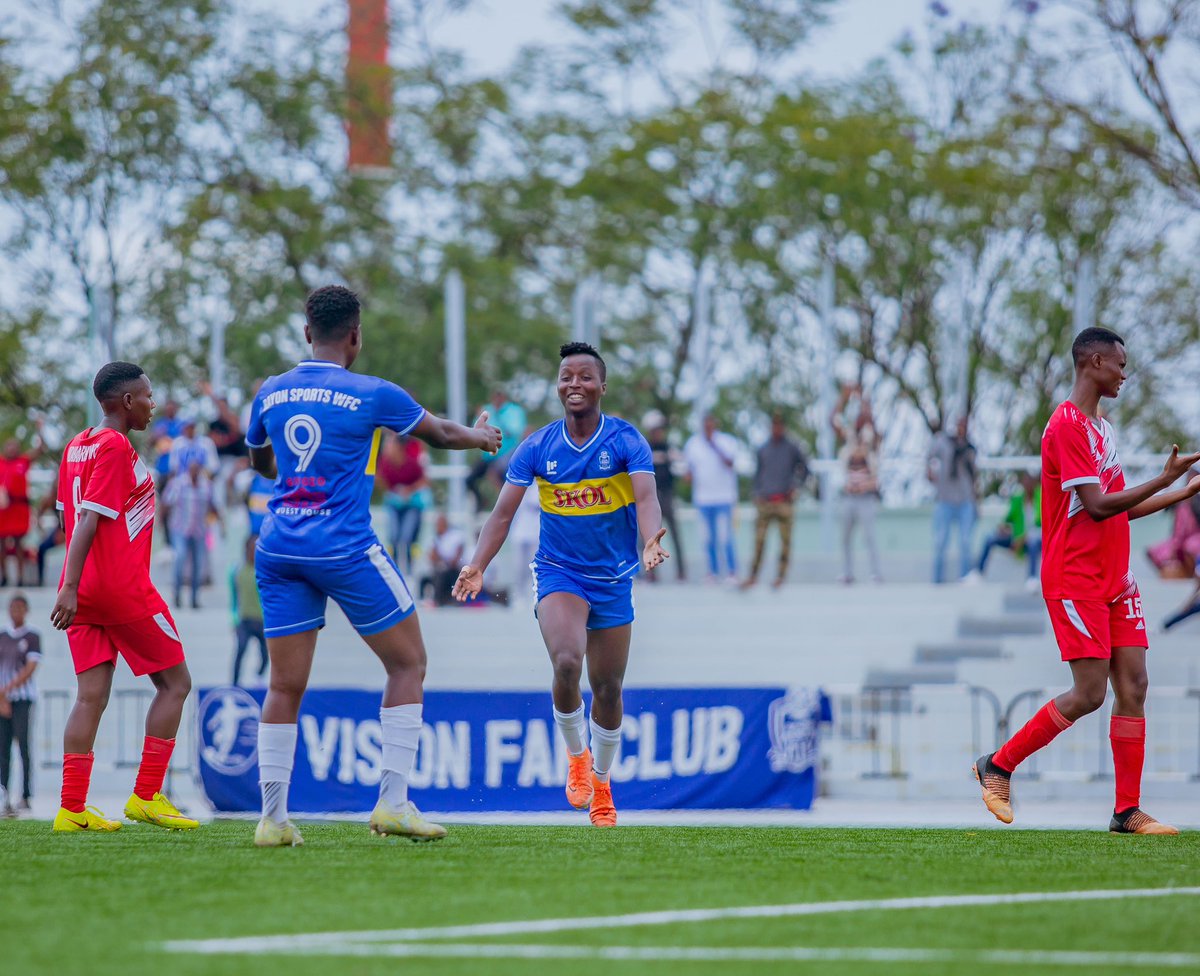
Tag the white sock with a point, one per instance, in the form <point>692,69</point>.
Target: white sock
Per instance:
<point>401,726</point>
<point>605,743</point>
<point>573,727</point>
<point>276,754</point>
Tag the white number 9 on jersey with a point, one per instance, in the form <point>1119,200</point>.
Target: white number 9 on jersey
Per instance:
<point>303,436</point>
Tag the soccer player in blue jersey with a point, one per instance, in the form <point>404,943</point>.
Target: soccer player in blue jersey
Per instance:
<point>316,430</point>
<point>595,481</point>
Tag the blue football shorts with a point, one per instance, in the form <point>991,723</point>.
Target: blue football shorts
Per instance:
<point>367,586</point>
<point>610,602</point>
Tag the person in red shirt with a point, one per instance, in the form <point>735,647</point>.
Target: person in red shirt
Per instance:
<point>1094,604</point>
<point>14,503</point>
<point>108,606</point>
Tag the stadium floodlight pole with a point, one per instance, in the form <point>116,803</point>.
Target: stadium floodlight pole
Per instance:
<point>1085,278</point>
<point>216,356</point>
<point>102,338</point>
<point>584,325</point>
<point>702,344</point>
<point>826,396</point>
<point>456,386</point>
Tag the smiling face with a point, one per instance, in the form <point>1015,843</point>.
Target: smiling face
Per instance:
<point>1108,366</point>
<point>580,385</point>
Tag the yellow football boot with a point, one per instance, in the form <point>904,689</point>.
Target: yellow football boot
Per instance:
<point>268,833</point>
<point>68,821</point>
<point>158,812</point>
<point>405,821</point>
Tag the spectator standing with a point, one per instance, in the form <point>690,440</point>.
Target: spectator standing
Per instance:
<point>254,491</point>
<point>510,417</point>
<point>189,502</point>
<point>20,652</point>
<point>1021,530</point>
<point>445,560</point>
<point>247,612</point>
<point>664,456</point>
<point>780,470</point>
<point>710,456</point>
<point>401,469</point>
<point>168,423</point>
<point>15,509</point>
<point>952,473</point>
<point>192,446</point>
<point>854,426</point>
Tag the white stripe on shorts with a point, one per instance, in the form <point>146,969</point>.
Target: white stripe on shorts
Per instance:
<point>394,583</point>
<point>165,626</point>
<point>1076,620</point>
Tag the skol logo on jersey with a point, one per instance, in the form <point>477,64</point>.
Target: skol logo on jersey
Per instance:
<point>228,719</point>
<point>588,497</point>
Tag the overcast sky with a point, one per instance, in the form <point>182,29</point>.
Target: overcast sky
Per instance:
<point>491,31</point>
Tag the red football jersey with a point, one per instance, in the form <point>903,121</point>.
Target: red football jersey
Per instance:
<point>101,471</point>
<point>1082,559</point>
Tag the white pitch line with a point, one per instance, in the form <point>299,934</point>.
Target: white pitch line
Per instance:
<point>411,950</point>
<point>313,941</point>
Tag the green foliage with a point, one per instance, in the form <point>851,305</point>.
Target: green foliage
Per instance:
<point>169,172</point>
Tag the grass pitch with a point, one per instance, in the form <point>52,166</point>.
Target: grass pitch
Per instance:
<point>105,904</point>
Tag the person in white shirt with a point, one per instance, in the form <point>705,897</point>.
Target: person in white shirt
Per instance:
<point>445,559</point>
<point>710,457</point>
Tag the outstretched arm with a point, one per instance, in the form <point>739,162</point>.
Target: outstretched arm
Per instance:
<point>1101,506</point>
<point>495,531</point>
<point>448,435</point>
<point>649,518</point>
<point>1165,499</point>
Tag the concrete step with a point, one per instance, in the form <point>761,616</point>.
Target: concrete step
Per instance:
<point>1022,601</point>
<point>1013,624</point>
<point>951,651</point>
<point>918,674</point>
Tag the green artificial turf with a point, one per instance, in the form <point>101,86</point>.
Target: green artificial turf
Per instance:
<point>100,904</point>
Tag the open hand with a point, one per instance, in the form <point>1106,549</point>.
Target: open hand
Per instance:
<point>1176,466</point>
<point>493,438</point>
<point>653,553</point>
<point>468,584</point>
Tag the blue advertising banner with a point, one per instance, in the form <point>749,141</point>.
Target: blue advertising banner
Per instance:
<point>682,748</point>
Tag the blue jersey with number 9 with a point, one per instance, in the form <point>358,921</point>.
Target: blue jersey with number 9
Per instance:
<point>324,424</point>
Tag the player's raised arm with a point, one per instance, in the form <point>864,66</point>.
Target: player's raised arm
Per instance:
<point>448,435</point>
<point>495,531</point>
<point>649,517</point>
<point>1140,500</point>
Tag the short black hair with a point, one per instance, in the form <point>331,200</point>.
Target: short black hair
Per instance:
<point>583,349</point>
<point>1086,342</point>
<point>19,598</point>
<point>331,312</point>
<point>112,379</point>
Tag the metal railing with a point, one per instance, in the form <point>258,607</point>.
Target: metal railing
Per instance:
<point>919,732</point>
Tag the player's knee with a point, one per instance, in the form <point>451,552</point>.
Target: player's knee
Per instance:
<point>606,693</point>
<point>568,664</point>
<point>1090,697</point>
<point>1132,690</point>
<point>286,687</point>
<point>93,700</point>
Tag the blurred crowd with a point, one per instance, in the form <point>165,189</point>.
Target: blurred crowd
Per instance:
<point>208,494</point>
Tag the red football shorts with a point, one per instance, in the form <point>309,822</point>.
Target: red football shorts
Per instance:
<point>1092,628</point>
<point>148,645</point>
